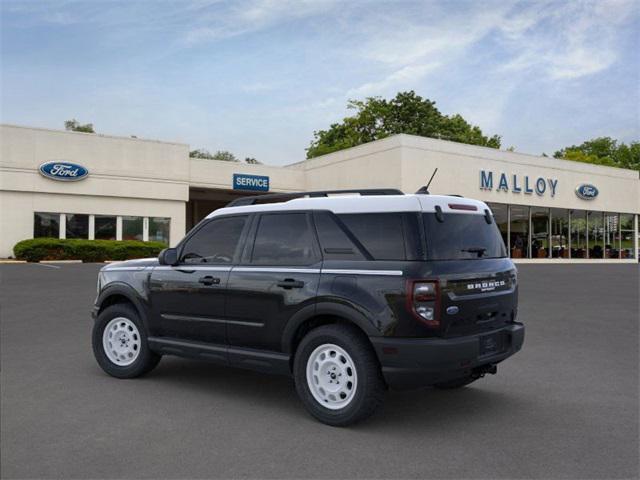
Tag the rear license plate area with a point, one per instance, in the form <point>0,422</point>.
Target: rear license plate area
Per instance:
<point>491,344</point>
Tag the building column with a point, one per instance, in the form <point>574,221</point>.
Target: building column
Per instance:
<point>118,227</point>
<point>635,237</point>
<point>92,227</point>
<point>145,229</point>
<point>63,225</point>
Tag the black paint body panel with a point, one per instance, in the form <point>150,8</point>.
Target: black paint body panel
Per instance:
<point>251,315</point>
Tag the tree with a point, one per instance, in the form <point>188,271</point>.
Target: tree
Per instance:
<point>219,155</point>
<point>75,126</point>
<point>252,161</point>
<point>224,156</point>
<point>377,118</point>
<point>604,151</point>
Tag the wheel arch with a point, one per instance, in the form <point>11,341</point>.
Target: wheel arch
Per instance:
<point>316,315</point>
<point>121,293</point>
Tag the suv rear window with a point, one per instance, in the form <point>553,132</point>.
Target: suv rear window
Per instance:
<point>462,236</point>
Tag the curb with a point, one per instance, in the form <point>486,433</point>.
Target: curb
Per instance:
<point>3,260</point>
<point>60,261</point>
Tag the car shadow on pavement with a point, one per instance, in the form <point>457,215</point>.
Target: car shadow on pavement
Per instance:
<point>276,395</point>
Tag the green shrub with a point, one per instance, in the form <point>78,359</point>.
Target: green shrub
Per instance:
<point>36,249</point>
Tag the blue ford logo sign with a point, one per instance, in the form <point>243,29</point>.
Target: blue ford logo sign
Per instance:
<point>586,191</point>
<point>63,171</point>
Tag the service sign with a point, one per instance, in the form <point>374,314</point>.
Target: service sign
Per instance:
<point>255,183</point>
<point>63,171</point>
<point>586,191</point>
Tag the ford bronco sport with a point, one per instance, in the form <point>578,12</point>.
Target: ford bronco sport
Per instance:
<point>349,294</point>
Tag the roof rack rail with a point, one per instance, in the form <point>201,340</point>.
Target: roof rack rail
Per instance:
<point>270,197</point>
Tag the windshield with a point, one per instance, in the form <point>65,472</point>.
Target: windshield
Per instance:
<point>462,236</point>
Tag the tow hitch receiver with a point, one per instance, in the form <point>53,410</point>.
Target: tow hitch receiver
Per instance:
<point>482,370</point>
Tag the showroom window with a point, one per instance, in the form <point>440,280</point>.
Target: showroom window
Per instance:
<point>159,229</point>
<point>501,216</point>
<point>132,228</point>
<point>578,234</point>
<point>105,227</point>
<point>626,236</point>
<point>559,233</point>
<point>77,226</point>
<point>595,234</point>
<point>539,232</point>
<point>519,231</point>
<point>611,235</point>
<point>46,225</point>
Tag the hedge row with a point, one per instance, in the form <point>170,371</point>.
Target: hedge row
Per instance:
<point>36,249</point>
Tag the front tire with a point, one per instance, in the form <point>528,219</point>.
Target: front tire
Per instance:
<point>337,375</point>
<point>119,343</point>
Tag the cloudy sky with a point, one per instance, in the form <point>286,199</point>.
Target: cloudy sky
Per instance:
<point>258,77</point>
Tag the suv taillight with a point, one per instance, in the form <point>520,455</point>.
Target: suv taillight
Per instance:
<point>423,300</point>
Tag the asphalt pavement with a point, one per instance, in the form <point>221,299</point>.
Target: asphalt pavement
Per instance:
<point>566,406</point>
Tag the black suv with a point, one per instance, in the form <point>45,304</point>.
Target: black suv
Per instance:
<point>349,294</point>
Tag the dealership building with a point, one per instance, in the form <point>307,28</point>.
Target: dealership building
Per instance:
<point>78,185</point>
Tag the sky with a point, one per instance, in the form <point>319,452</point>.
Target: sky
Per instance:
<point>258,77</point>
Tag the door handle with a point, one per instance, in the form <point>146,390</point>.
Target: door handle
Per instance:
<point>209,280</point>
<point>289,283</point>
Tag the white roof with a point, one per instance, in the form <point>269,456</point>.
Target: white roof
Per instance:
<point>364,204</point>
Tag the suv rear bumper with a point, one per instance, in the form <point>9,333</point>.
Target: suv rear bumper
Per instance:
<point>413,363</point>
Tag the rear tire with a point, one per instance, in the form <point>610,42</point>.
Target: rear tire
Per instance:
<point>337,375</point>
<point>457,383</point>
<point>120,343</point>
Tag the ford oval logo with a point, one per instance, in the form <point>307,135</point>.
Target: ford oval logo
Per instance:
<point>586,191</point>
<point>63,171</point>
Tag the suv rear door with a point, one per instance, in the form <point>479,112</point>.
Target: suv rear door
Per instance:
<point>278,276</point>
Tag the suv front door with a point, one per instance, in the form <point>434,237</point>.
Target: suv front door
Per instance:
<point>187,300</point>
<point>278,275</point>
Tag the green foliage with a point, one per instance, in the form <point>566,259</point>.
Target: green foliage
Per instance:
<point>36,249</point>
<point>377,118</point>
<point>604,151</point>
<point>223,155</point>
<point>75,126</point>
<point>201,153</point>
<point>252,161</point>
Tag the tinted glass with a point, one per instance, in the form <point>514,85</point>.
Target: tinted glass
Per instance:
<point>77,226</point>
<point>132,228</point>
<point>215,242</point>
<point>334,240</point>
<point>159,229</point>
<point>462,236</point>
<point>46,225</point>
<point>380,233</point>
<point>105,227</point>
<point>284,239</point>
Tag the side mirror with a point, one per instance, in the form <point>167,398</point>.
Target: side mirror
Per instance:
<point>168,256</point>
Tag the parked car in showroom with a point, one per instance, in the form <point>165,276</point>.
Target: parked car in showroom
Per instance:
<point>350,293</point>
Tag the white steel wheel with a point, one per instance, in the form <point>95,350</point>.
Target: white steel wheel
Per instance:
<point>331,376</point>
<point>121,341</point>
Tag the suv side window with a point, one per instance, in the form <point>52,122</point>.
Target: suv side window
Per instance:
<point>335,239</point>
<point>214,243</point>
<point>386,236</point>
<point>284,239</point>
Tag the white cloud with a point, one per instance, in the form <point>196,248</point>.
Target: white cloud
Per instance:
<point>564,41</point>
<point>405,77</point>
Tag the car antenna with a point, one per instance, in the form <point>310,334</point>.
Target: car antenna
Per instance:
<point>425,189</point>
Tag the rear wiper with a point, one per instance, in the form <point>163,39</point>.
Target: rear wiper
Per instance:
<point>479,250</point>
